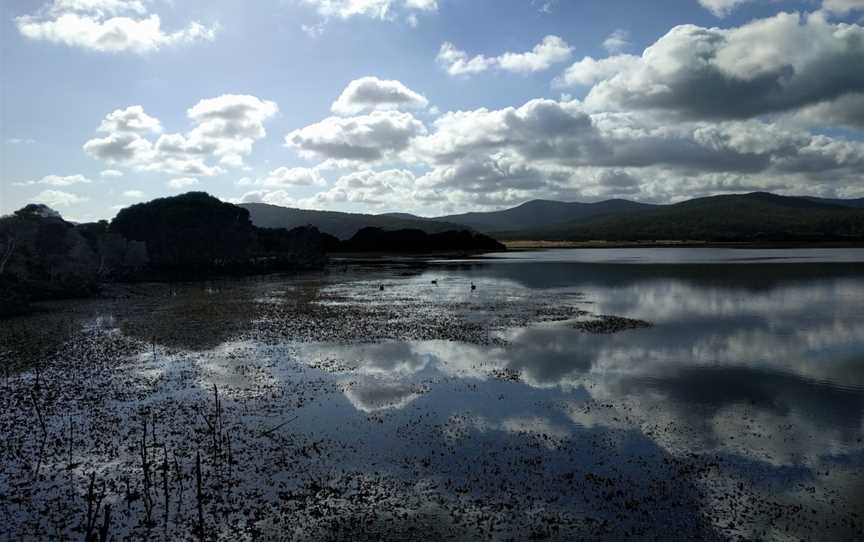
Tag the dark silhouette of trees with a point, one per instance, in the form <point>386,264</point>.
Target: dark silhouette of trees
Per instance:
<point>193,231</point>
<point>43,256</point>
<point>417,241</point>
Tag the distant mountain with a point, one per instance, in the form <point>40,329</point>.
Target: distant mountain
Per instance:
<point>736,217</point>
<point>341,225</point>
<point>758,216</point>
<point>542,213</point>
<point>856,203</point>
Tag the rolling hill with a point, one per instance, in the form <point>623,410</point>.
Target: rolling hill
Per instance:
<point>758,216</point>
<point>542,213</point>
<point>341,225</point>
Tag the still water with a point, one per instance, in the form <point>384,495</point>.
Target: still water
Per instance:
<point>725,401</point>
<point>754,356</point>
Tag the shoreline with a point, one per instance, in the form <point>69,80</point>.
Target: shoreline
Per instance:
<point>542,245</point>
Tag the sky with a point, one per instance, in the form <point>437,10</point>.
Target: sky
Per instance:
<point>426,106</point>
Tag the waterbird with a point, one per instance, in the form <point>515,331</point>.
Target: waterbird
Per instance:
<point>435,282</point>
<point>381,288</point>
<point>473,286</point>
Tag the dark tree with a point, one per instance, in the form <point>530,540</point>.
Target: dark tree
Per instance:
<point>191,231</point>
<point>417,241</point>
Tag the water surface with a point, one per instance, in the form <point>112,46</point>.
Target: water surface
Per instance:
<point>491,413</point>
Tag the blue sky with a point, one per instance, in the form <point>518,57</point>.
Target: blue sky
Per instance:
<point>236,98</point>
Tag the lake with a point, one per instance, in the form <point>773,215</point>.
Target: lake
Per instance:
<point>673,394</point>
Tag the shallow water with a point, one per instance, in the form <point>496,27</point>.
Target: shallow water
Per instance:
<point>485,414</point>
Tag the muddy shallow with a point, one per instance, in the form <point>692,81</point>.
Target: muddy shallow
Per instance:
<point>558,400</point>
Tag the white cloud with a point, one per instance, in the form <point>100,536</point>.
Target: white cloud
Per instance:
<point>58,198</point>
<point>456,62</point>
<point>842,7</point>
<point>559,150</point>
<point>378,9</point>
<point>377,136</point>
<point>112,173</point>
<point>133,194</point>
<point>133,120</point>
<point>541,125</point>
<point>182,182</point>
<point>275,197</point>
<point>20,141</point>
<point>59,180</point>
<point>847,110</point>
<point>100,7</point>
<point>225,130</point>
<point>721,8</point>
<point>772,65</point>
<point>367,188</point>
<point>617,41</point>
<point>373,94</point>
<point>551,50</point>
<point>588,71</point>
<point>107,26</point>
<point>287,177</point>
<point>358,190</point>
<point>120,148</point>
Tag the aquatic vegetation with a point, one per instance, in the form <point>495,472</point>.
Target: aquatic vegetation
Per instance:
<point>317,407</point>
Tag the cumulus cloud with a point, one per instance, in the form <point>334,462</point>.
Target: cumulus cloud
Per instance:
<point>362,189</point>
<point>617,41</point>
<point>847,110</point>
<point>130,120</point>
<point>552,50</point>
<point>588,71</point>
<point>534,129</point>
<point>58,198</point>
<point>547,148</point>
<point>225,129</point>
<point>182,183</point>
<point>111,173</point>
<point>367,187</point>
<point>501,172</point>
<point>702,111</point>
<point>457,62</point>
<point>275,197</point>
<point>778,64</point>
<point>378,9</point>
<point>133,194</point>
<point>721,8</point>
<point>287,177</point>
<point>371,94</point>
<point>377,136</point>
<point>842,7</point>
<point>107,26</point>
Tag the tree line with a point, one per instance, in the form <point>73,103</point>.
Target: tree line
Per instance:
<point>42,256</point>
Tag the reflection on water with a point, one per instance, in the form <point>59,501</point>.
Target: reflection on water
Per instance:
<point>739,414</point>
<point>760,364</point>
<point>687,255</point>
